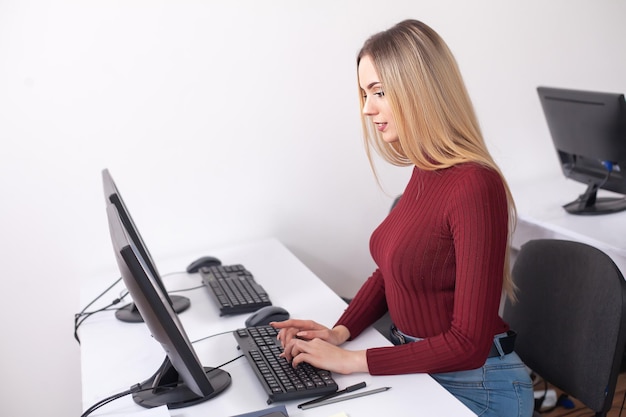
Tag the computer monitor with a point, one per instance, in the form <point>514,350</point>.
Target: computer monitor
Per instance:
<point>589,133</point>
<point>181,380</point>
<point>129,312</point>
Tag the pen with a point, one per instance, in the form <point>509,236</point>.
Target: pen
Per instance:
<point>334,394</point>
<point>344,398</point>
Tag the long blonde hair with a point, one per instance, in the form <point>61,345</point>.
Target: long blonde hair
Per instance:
<point>433,114</point>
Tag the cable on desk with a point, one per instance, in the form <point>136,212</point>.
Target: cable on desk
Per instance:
<point>105,401</point>
<point>84,314</point>
<point>187,289</point>
<point>100,296</point>
<point>136,388</point>
<point>213,335</point>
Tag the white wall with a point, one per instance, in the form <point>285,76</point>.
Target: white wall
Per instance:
<point>223,121</point>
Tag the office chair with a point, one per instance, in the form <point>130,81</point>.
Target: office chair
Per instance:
<point>569,318</point>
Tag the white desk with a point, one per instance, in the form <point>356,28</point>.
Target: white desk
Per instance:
<point>116,355</point>
<point>541,216</point>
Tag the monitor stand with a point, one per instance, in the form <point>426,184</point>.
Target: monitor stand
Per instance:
<point>130,314</point>
<point>166,387</point>
<point>589,204</point>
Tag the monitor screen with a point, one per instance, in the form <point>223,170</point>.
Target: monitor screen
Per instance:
<point>130,313</point>
<point>181,380</point>
<point>588,130</point>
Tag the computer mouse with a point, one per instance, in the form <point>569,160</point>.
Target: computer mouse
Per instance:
<point>201,262</point>
<point>265,315</point>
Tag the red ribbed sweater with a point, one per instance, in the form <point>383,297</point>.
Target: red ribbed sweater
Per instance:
<point>440,256</point>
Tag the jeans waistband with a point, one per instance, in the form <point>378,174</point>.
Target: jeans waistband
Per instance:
<point>503,343</point>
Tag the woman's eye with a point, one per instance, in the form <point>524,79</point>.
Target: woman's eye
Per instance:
<point>380,93</point>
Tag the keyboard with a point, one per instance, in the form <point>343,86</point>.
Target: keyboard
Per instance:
<point>234,289</point>
<point>281,381</point>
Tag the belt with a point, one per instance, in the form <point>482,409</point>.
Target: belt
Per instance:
<point>507,343</point>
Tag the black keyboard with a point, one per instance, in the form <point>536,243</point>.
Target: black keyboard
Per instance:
<point>279,378</point>
<point>234,289</point>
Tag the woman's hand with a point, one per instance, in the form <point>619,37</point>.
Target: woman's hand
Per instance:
<point>311,342</point>
<point>325,355</point>
<point>308,330</point>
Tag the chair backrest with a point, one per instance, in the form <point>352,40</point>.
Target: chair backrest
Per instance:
<point>570,318</point>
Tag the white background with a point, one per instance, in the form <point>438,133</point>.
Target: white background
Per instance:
<point>225,121</point>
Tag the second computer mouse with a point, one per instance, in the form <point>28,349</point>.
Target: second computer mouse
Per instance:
<point>202,262</point>
<point>265,315</point>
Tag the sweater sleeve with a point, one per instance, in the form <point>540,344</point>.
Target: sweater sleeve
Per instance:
<point>367,306</point>
<point>477,215</point>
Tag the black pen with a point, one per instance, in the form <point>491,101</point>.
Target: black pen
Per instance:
<point>334,394</point>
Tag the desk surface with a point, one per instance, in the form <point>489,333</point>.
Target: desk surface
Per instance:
<point>541,215</point>
<point>117,355</point>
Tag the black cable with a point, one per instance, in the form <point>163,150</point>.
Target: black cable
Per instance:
<point>173,273</point>
<point>213,335</point>
<point>226,363</point>
<point>85,315</point>
<point>137,388</point>
<point>622,407</point>
<point>187,289</point>
<point>80,318</point>
<point>100,296</point>
<point>111,398</point>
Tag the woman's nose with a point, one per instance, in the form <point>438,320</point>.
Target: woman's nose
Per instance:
<point>368,109</point>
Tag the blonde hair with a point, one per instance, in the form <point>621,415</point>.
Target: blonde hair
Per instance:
<point>433,114</point>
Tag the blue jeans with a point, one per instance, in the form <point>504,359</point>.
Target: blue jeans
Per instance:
<point>500,388</point>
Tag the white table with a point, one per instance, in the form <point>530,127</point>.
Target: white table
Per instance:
<point>116,355</point>
<point>541,216</point>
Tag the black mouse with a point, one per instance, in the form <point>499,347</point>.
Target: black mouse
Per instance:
<point>265,315</point>
<point>195,266</point>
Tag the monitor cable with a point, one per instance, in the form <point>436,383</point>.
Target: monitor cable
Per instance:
<point>136,388</point>
<point>213,335</point>
<point>79,318</point>
<point>187,289</point>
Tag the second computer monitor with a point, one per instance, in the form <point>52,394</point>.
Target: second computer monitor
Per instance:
<point>181,380</point>
<point>588,130</point>
<point>130,313</point>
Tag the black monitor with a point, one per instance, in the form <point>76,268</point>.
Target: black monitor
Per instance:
<point>589,133</point>
<point>130,313</point>
<point>181,380</point>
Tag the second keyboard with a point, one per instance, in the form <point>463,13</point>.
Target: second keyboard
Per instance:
<point>234,289</point>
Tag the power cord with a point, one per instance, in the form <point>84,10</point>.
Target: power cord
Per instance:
<point>137,388</point>
<point>213,335</point>
<point>79,318</point>
<point>187,289</point>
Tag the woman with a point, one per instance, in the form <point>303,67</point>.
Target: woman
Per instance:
<point>442,251</point>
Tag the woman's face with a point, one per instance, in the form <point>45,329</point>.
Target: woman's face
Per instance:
<point>376,105</point>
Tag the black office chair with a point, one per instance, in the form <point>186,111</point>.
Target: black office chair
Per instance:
<point>570,318</point>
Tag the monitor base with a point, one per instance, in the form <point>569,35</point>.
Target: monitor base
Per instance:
<point>601,205</point>
<point>130,314</point>
<point>168,389</point>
